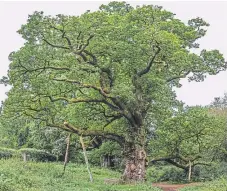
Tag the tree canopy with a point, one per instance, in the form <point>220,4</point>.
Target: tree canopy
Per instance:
<point>108,73</point>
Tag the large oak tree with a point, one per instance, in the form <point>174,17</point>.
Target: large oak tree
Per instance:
<point>108,73</point>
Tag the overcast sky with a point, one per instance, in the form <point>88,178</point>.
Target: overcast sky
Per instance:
<point>14,14</point>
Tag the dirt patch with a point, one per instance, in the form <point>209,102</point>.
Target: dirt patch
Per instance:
<point>172,187</point>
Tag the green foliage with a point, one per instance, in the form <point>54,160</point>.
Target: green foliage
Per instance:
<point>37,155</point>
<point>120,61</point>
<point>218,108</point>
<point>166,173</point>
<point>19,176</point>
<point>31,153</point>
<point>212,172</point>
<point>6,153</point>
<point>111,73</point>
<point>77,156</point>
<point>192,135</point>
<point>107,148</point>
<point>163,173</point>
<point>110,148</point>
<point>15,131</point>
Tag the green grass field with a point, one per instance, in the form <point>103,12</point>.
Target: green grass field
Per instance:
<point>16,175</point>
<point>218,185</point>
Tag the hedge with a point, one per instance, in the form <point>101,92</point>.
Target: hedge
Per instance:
<point>37,155</point>
<point>6,153</point>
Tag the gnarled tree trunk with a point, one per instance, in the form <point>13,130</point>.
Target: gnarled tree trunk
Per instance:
<point>135,164</point>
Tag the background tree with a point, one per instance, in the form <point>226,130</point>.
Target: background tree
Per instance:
<point>187,139</point>
<point>218,109</point>
<point>108,73</point>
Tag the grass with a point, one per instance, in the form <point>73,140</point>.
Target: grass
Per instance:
<point>16,175</point>
<point>218,185</point>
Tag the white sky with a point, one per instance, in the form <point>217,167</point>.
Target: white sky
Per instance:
<point>14,14</point>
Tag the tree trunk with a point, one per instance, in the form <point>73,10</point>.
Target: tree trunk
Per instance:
<point>135,164</point>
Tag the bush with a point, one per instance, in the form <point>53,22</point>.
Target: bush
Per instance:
<point>37,155</point>
<point>164,173</point>
<point>6,153</point>
<point>5,187</point>
<point>208,173</point>
<point>107,149</point>
<point>159,173</point>
<point>76,156</point>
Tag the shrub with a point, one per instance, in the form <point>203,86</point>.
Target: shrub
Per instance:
<point>37,155</point>
<point>159,173</point>
<point>76,156</point>
<point>107,149</point>
<point>5,187</point>
<point>164,173</point>
<point>208,173</point>
<point>6,153</point>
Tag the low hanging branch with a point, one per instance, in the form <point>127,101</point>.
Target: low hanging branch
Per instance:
<point>187,162</point>
<point>89,133</point>
<point>106,135</point>
<point>170,160</point>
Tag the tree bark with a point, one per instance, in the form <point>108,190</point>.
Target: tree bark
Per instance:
<point>135,164</point>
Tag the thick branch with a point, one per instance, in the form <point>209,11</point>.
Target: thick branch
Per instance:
<point>113,119</point>
<point>150,63</point>
<point>184,75</point>
<point>88,133</point>
<point>54,45</point>
<point>74,100</point>
<point>170,160</point>
<point>46,68</point>
<point>177,164</point>
<point>87,43</point>
<point>83,85</point>
<point>201,163</point>
<point>80,100</point>
<point>178,76</point>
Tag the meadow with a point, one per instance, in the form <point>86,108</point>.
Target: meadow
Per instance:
<point>16,175</point>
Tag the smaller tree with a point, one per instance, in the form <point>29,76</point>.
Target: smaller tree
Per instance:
<point>218,108</point>
<point>185,139</point>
